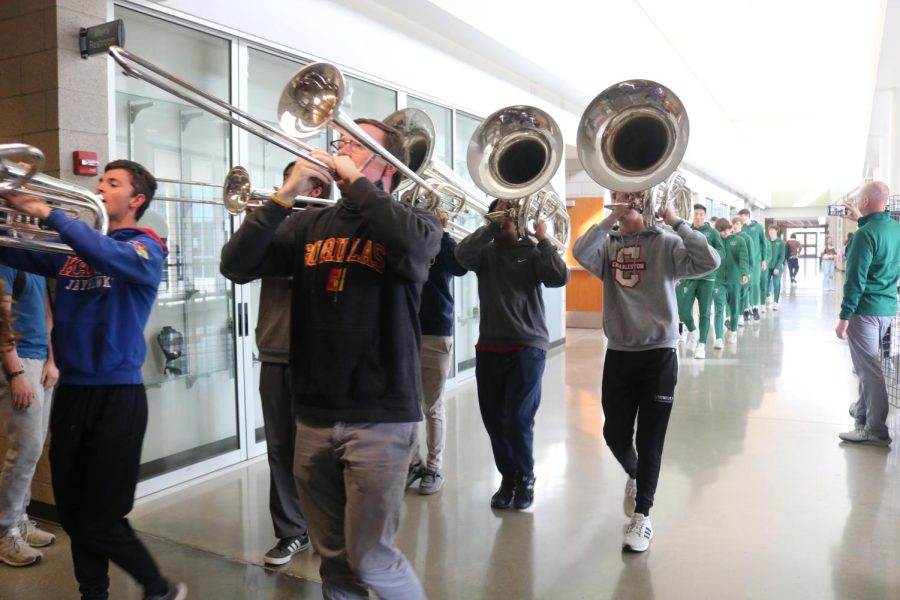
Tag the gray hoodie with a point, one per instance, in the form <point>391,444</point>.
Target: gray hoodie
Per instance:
<point>639,272</point>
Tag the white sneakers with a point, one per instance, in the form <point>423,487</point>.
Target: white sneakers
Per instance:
<point>15,552</point>
<point>692,338</point>
<point>630,500</point>
<point>638,534</point>
<point>774,306</point>
<point>700,352</point>
<point>731,337</point>
<point>719,344</point>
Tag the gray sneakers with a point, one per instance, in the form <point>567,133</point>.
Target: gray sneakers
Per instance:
<point>15,552</point>
<point>176,591</point>
<point>431,482</point>
<point>861,436</point>
<point>33,535</point>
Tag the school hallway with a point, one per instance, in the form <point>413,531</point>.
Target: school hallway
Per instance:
<point>757,498</point>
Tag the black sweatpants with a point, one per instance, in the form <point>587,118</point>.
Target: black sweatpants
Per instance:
<point>639,385</point>
<point>95,451</point>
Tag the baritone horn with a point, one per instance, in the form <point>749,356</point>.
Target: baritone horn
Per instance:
<point>76,202</point>
<point>512,155</point>
<point>631,138</point>
<point>448,192</point>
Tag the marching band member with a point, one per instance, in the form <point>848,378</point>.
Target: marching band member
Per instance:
<point>358,269</point>
<point>641,324</point>
<point>512,342</point>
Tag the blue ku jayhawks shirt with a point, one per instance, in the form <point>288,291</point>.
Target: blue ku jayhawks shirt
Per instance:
<point>104,296</point>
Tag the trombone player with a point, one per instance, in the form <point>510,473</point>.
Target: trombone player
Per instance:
<point>358,269</point>
<point>639,265</point>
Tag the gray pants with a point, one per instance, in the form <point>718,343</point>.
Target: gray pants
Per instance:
<point>26,430</point>
<point>278,419</point>
<point>351,478</point>
<point>437,351</point>
<point>864,336</point>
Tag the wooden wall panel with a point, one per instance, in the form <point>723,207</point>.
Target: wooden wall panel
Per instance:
<point>584,292</point>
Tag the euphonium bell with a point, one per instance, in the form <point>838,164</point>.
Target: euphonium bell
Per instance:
<point>633,136</point>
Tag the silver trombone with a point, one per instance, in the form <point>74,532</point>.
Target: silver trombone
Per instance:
<point>632,138</point>
<point>76,202</point>
<point>309,102</point>
<point>513,155</point>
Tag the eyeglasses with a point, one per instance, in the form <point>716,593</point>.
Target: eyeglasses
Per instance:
<point>355,146</point>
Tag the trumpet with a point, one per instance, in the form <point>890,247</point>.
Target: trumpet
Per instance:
<point>76,202</point>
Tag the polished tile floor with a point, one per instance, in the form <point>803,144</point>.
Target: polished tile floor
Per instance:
<point>757,499</point>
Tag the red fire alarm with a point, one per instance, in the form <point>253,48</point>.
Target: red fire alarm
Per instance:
<point>84,163</point>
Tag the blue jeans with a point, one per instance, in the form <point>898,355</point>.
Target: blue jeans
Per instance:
<point>509,393</point>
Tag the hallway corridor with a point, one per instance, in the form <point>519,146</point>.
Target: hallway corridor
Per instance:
<point>757,498</point>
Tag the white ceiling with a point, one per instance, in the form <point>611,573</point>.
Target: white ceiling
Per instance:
<point>780,93</point>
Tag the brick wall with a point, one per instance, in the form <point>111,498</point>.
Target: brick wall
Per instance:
<point>53,99</point>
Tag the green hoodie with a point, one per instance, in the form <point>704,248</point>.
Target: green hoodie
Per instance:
<point>872,269</point>
<point>735,260</point>
<point>714,239</point>
<point>776,256</point>
<point>757,238</point>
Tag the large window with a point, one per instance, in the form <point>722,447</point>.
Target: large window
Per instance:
<point>189,370</point>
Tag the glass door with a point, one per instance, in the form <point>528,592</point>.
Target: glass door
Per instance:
<point>191,375</point>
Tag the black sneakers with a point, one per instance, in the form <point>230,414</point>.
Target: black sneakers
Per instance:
<point>755,314</point>
<point>286,548</point>
<point>524,493</point>
<point>416,471</point>
<point>518,493</point>
<point>503,498</point>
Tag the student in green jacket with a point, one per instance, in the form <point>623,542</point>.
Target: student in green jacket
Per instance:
<point>757,238</point>
<point>868,309</point>
<point>766,257</point>
<point>743,315</point>
<point>700,288</point>
<point>776,260</point>
<point>730,278</point>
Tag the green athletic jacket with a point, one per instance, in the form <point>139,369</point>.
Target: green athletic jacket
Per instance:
<point>776,256</point>
<point>714,239</point>
<point>735,261</point>
<point>757,238</point>
<point>872,268</point>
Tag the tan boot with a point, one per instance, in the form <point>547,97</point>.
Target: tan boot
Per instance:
<point>33,535</point>
<point>15,552</point>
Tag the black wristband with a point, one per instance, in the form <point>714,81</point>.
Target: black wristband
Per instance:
<point>15,374</point>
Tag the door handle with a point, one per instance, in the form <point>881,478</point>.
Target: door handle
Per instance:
<point>246,318</point>
<point>240,320</point>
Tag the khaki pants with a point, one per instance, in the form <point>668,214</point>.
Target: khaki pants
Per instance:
<point>437,350</point>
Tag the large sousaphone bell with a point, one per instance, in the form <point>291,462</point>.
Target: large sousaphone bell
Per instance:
<point>631,138</point>
<point>513,155</point>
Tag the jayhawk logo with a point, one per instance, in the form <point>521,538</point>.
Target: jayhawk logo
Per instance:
<point>141,249</point>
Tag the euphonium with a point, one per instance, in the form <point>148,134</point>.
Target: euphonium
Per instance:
<point>632,136</point>
<point>513,155</point>
<point>76,202</point>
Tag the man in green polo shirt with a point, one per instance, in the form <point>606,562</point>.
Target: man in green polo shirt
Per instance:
<point>869,308</point>
<point>700,288</point>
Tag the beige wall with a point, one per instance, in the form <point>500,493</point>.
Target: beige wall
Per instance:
<point>53,99</point>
